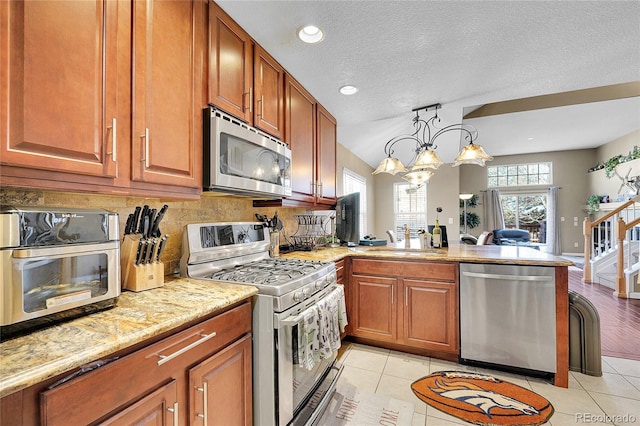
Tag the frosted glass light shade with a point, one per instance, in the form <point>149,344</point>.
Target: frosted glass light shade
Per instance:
<point>427,159</point>
<point>419,177</point>
<point>391,166</point>
<point>472,154</point>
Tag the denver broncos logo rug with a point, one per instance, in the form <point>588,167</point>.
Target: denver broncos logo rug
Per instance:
<point>482,399</point>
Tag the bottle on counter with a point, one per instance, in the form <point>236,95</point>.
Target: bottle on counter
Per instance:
<point>407,236</point>
<point>436,238</point>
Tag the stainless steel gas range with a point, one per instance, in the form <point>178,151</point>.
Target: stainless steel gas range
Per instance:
<point>294,375</point>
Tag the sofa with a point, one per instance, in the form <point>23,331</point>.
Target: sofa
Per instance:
<point>513,237</point>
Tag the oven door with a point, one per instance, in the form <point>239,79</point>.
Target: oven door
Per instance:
<point>296,383</point>
<point>41,281</point>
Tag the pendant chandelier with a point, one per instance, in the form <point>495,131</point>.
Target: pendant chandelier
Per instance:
<point>426,160</point>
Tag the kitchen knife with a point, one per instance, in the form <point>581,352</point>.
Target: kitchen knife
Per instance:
<point>143,215</point>
<point>150,218</point>
<point>161,246</point>
<point>136,218</point>
<point>127,227</point>
<point>155,228</point>
<point>139,252</point>
<point>145,249</point>
<point>151,250</point>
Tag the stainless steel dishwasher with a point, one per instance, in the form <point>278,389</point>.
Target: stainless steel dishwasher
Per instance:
<point>508,316</point>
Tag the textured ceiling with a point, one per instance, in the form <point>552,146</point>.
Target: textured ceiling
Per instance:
<point>461,54</point>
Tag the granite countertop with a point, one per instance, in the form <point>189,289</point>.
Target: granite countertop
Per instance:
<point>25,361</point>
<point>514,255</point>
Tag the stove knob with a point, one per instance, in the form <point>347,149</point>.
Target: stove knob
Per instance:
<point>319,284</point>
<point>306,292</point>
<point>298,296</point>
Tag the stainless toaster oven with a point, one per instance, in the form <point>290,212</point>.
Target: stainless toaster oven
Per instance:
<point>56,264</point>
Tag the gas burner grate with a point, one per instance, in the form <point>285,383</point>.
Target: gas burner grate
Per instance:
<point>271,271</point>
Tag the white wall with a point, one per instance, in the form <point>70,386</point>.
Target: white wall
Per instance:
<point>598,182</point>
<point>347,159</point>
<point>442,191</point>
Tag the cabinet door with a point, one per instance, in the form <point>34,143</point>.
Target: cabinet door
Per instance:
<point>300,134</point>
<point>375,310</point>
<point>268,83</point>
<point>326,157</point>
<point>159,408</point>
<point>168,42</point>
<point>221,389</point>
<point>230,65</point>
<point>430,315</point>
<point>58,88</point>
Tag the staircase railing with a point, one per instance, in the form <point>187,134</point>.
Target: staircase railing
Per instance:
<point>610,233</point>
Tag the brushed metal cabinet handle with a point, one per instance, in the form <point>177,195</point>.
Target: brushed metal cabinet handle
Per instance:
<point>114,140</point>
<point>205,411</point>
<point>174,410</point>
<point>145,135</point>
<point>167,358</point>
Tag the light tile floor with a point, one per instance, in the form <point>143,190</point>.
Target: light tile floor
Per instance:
<point>588,400</point>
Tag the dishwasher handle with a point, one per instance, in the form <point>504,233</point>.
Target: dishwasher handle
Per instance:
<point>507,277</point>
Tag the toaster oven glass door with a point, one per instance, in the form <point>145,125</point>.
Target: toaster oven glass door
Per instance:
<point>52,282</point>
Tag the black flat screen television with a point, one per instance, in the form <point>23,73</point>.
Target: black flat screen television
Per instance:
<point>348,218</point>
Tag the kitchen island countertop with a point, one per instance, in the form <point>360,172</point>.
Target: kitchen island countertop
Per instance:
<point>512,255</point>
<point>40,355</point>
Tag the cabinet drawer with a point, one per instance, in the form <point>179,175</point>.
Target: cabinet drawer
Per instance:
<point>117,385</point>
<point>431,270</point>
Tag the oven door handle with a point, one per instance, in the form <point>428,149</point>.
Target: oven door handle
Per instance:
<point>289,321</point>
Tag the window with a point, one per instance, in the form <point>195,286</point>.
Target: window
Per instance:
<point>353,182</point>
<point>519,175</point>
<point>526,211</point>
<point>410,207</point>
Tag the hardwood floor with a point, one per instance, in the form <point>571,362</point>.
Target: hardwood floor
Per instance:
<point>619,318</point>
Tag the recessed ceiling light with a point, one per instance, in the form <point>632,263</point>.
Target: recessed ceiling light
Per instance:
<point>310,34</point>
<point>530,138</point>
<point>348,90</point>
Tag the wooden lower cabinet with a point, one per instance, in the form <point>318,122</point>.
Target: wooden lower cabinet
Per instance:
<point>413,304</point>
<point>160,407</point>
<point>375,311</point>
<point>221,387</point>
<point>162,383</point>
<point>430,315</point>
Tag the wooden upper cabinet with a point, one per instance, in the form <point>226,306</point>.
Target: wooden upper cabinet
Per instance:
<point>168,46</point>
<point>326,157</point>
<point>268,84</point>
<point>230,65</point>
<point>310,132</point>
<point>300,134</point>
<point>58,87</point>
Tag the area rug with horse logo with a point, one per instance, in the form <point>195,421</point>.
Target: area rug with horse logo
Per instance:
<point>482,399</point>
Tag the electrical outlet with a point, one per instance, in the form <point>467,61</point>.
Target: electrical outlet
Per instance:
<point>450,221</point>
<point>562,219</point>
<point>575,244</point>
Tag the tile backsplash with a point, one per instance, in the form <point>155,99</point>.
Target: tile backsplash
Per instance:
<point>210,208</point>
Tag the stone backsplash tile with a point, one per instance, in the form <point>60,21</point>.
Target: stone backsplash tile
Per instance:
<point>210,208</point>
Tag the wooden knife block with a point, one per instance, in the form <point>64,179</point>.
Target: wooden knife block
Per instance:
<point>138,277</point>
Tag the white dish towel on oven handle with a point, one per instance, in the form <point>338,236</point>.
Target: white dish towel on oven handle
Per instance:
<point>333,319</point>
<point>319,328</point>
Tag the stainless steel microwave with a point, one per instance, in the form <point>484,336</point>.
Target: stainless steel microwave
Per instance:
<point>241,159</point>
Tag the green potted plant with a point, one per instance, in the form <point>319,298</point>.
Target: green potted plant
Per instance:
<point>594,203</point>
